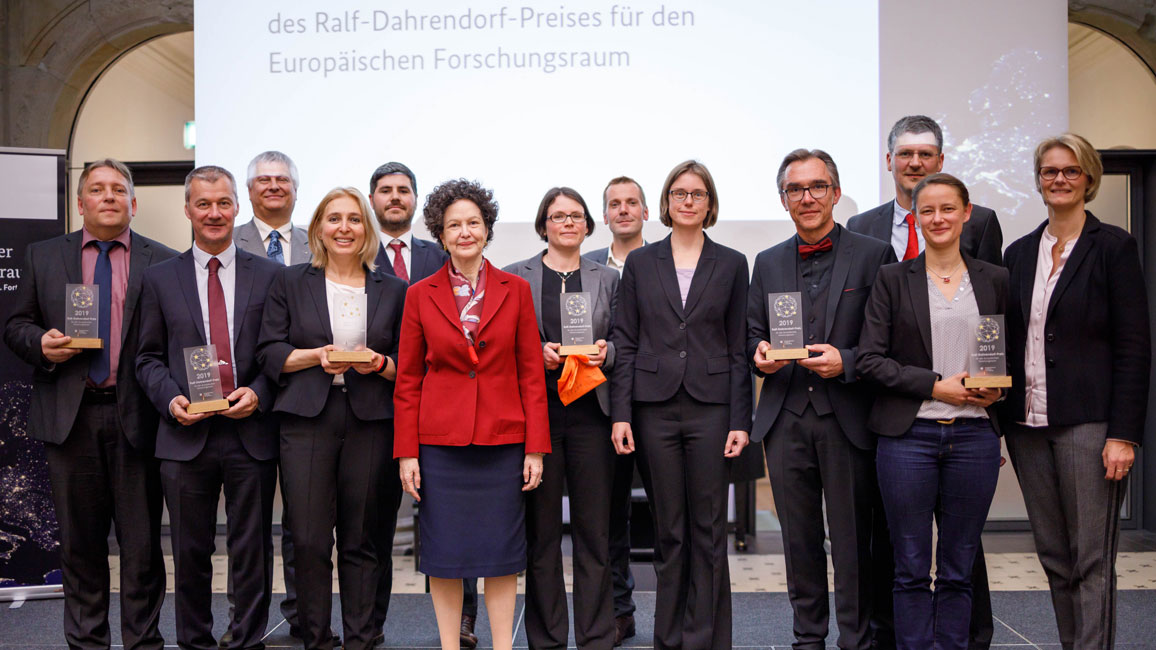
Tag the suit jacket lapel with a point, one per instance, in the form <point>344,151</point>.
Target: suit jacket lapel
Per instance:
<point>72,254</point>
<point>881,228</point>
<point>667,277</point>
<point>315,281</point>
<point>138,261</point>
<point>372,298</point>
<point>1026,272</point>
<point>532,272</point>
<point>187,278</point>
<point>917,290</point>
<point>300,246</point>
<point>981,283</point>
<point>702,273</point>
<point>1075,258</point>
<point>591,282</point>
<point>443,297</point>
<point>382,262</point>
<point>496,292</point>
<point>843,256</point>
<point>242,289</point>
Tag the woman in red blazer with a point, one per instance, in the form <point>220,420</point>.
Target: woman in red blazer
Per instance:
<point>470,413</point>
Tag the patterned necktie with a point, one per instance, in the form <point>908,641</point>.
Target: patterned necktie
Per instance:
<point>912,239</point>
<point>398,260</point>
<point>219,327</point>
<point>98,368</point>
<point>275,252</point>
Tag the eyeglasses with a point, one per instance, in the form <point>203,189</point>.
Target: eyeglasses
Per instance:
<point>698,196</point>
<point>818,191</point>
<point>1070,173</point>
<point>561,217</point>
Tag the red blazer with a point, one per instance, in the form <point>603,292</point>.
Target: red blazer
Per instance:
<point>442,398</point>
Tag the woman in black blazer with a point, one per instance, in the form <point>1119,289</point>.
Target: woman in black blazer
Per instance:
<point>336,418</point>
<point>938,446</point>
<point>581,456</point>
<point>1079,353</point>
<point>682,392</point>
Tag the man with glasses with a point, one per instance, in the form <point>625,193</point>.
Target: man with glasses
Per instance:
<point>624,211</point>
<point>914,151</point>
<point>273,181</point>
<point>812,413</point>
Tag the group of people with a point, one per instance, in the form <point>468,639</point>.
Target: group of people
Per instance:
<point>464,401</point>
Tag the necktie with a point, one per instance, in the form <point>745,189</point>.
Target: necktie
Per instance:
<point>398,260</point>
<point>275,253</point>
<point>912,239</point>
<point>98,368</point>
<point>219,327</point>
<point>807,250</point>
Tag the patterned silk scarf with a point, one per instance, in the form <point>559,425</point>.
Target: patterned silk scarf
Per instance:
<point>469,303</point>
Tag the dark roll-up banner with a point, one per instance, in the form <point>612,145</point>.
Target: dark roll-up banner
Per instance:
<point>32,182</point>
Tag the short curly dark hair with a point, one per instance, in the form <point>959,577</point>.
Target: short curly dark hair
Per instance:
<point>444,195</point>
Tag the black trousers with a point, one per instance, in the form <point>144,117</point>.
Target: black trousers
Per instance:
<point>810,461</point>
<point>620,576</point>
<point>192,490</point>
<point>330,470</point>
<point>389,500</point>
<point>581,458</point>
<point>982,626</point>
<point>99,480</point>
<point>289,602</point>
<point>681,441</point>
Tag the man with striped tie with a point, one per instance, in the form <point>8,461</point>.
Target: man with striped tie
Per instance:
<point>914,151</point>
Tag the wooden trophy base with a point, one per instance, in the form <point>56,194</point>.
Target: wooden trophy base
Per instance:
<point>1002,381</point>
<point>208,406</point>
<point>84,344</point>
<point>791,354</point>
<point>567,350</point>
<point>350,356</point>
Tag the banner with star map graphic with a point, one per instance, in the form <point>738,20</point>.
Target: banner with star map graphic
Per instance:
<point>33,184</point>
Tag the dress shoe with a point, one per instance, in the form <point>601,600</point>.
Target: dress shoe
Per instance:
<point>623,629</point>
<point>468,638</point>
<point>225,639</point>
<point>379,640</point>
<point>295,632</point>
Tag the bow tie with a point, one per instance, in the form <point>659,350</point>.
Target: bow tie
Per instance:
<point>806,250</point>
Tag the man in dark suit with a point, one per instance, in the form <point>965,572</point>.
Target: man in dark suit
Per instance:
<point>272,182</point>
<point>97,427</point>
<point>624,211</point>
<point>812,414</point>
<point>213,294</point>
<point>393,195</point>
<point>915,151</point>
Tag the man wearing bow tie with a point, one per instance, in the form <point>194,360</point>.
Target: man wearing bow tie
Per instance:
<point>812,413</point>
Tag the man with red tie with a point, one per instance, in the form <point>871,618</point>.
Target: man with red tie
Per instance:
<point>213,294</point>
<point>915,151</point>
<point>393,195</point>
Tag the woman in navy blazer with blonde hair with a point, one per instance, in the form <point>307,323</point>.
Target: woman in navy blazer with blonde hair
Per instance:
<point>682,393</point>
<point>1079,352</point>
<point>336,418</point>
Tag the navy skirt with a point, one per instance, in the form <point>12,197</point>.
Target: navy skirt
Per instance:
<point>472,515</point>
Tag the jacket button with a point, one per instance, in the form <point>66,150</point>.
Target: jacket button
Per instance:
<point>682,355</point>
<point>481,344</point>
<point>1051,337</point>
<point>473,374</point>
<point>1051,363</point>
<point>682,326</point>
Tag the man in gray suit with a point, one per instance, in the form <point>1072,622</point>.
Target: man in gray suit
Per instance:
<point>273,181</point>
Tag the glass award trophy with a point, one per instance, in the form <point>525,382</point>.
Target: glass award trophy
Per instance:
<point>577,324</point>
<point>349,330</point>
<point>987,358</point>
<point>205,394</point>
<point>82,316</point>
<point>785,326</point>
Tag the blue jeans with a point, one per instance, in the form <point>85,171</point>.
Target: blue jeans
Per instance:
<point>953,467</point>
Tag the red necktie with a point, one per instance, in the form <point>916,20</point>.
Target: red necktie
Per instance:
<point>399,261</point>
<point>219,327</point>
<point>806,250</point>
<point>912,239</point>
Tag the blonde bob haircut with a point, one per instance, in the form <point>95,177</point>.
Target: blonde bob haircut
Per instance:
<point>1086,155</point>
<point>369,246</point>
<point>700,170</point>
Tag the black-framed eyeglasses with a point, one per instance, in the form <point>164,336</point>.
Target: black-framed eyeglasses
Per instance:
<point>561,217</point>
<point>698,196</point>
<point>818,191</point>
<point>1070,173</point>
